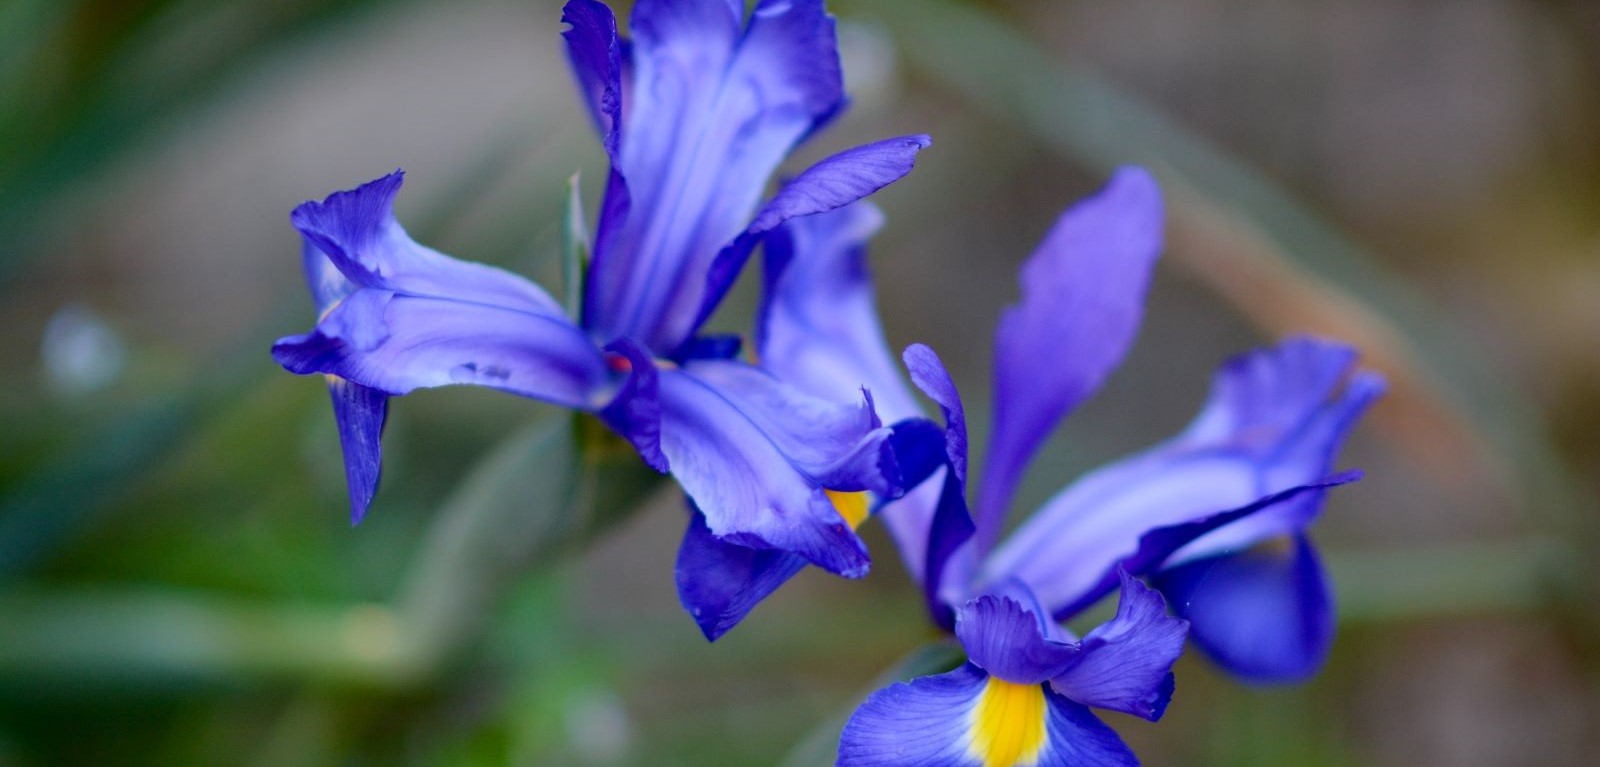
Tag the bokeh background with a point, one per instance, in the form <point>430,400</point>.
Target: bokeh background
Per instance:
<point>178,581</point>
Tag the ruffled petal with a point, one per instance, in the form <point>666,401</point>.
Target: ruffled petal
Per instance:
<point>966,718</point>
<point>360,412</point>
<point>1266,615</point>
<point>357,231</point>
<point>1126,664</point>
<point>1082,300</point>
<point>396,343</point>
<point>719,582</point>
<point>1274,420</point>
<point>710,114</point>
<point>755,457</point>
<point>1008,640</point>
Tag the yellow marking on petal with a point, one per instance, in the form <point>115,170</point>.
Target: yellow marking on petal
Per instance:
<point>852,506</point>
<point>1007,725</point>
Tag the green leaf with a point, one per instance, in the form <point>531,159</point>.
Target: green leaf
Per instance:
<point>574,248</point>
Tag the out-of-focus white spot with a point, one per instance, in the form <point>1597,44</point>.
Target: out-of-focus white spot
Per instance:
<point>598,727</point>
<point>868,58</point>
<point>80,352</point>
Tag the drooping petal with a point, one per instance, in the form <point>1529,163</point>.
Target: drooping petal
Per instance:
<point>358,233</point>
<point>396,343</point>
<point>833,183</point>
<point>1283,409</point>
<point>1266,615</point>
<point>1274,420</point>
<point>1126,664</point>
<point>921,723</point>
<point>1008,640</point>
<point>756,457</point>
<point>709,114</point>
<point>966,718</point>
<point>1069,587</point>
<point>719,582</point>
<point>1082,300</point>
<point>360,413</point>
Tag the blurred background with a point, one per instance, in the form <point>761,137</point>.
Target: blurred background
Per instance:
<point>178,580</point>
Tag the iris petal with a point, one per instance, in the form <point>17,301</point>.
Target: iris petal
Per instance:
<point>921,723</point>
<point>359,234</point>
<point>755,457</point>
<point>1265,615</point>
<point>1082,300</point>
<point>709,115</point>
<point>1274,420</point>
<point>397,343</point>
<point>961,719</point>
<point>1126,664</point>
<point>1006,639</point>
<point>360,413</point>
<point>719,582</point>
<point>837,181</point>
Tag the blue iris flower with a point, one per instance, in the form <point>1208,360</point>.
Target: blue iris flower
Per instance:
<point>1216,517</point>
<point>695,114</point>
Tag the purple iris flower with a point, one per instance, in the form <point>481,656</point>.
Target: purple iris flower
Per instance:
<point>1217,517</point>
<point>695,114</point>
<point>1023,696</point>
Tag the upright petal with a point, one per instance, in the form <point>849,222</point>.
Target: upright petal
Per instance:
<point>1082,300</point>
<point>835,182</point>
<point>1266,615</point>
<point>708,116</point>
<point>966,718</point>
<point>940,524</point>
<point>756,458</point>
<point>1008,640</point>
<point>1274,420</point>
<point>1126,664</point>
<point>595,52</point>
<point>817,328</point>
<point>719,582</point>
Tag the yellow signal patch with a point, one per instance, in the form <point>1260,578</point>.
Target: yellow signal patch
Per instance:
<point>852,506</point>
<point>1007,725</point>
